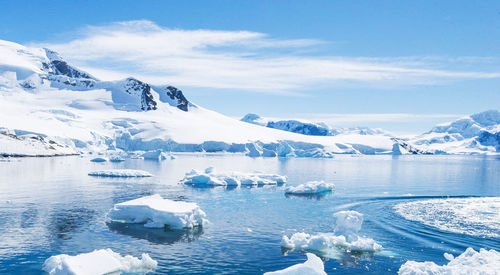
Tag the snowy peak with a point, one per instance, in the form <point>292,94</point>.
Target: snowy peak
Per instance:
<point>173,96</point>
<point>57,66</point>
<point>310,128</point>
<point>487,118</point>
<point>131,95</point>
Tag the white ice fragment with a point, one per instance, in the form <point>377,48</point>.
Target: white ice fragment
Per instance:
<point>210,177</point>
<point>103,261</point>
<point>121,173</point>
<point>484,262</point>
<point>156,155</point>
<point>345,237</point>
<point>312,187</point>
<point>156,212</point>
<point>313,266</point>
<point>348,223</point>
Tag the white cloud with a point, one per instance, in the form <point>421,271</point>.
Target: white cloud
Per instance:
<point>235,60</point>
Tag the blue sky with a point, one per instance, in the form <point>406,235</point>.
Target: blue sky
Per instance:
<point>400,65</point>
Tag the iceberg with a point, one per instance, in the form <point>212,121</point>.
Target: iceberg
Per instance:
<point>470,262</point>
<point>103,261</point>
<point>121,173</point>
<point>344,238</point>
<point>313,266</point>
<point>310,188</point>
<point>211,178</point>
<point>156,212</point>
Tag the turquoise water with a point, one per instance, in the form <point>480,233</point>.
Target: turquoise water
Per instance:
<point>50,206</point>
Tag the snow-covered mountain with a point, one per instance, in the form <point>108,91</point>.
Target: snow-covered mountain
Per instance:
<point>68,111</point>
<point>310,128</point>
<point>475,134</point>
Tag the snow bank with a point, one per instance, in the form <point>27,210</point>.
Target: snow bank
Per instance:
<point>156,212</point>
<point>98,159</point>
<point>313,266</point>
<point>312,187</point>
<point>120,173</point>
<point>345,237</point>
<point>103,261</point>
<point>470,262</point>
<point>210,178</point>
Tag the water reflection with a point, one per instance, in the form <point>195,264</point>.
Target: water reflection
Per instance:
<point>343,257</point>
<point>309,196</point>
<point>155,235</point>
<point>64,223</point>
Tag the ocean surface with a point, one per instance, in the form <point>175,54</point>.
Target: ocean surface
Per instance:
<point>416,207</point>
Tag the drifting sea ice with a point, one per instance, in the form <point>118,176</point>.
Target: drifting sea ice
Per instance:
<point>313,266</point>
<point>156,212</point>
<point>484,262</point>
<point>121,173</point>
<point>103,261</point>
<point>210,178</point>
<point>345,237</point>
<point>310,188</point>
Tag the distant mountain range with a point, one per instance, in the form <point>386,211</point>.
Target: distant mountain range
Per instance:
<point>50,107</point>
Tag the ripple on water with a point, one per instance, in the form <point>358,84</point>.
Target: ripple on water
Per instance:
<point>471,216</point>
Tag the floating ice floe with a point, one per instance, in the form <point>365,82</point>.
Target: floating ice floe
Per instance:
<point>156,212</point>
<point>471,216</point>
<point>121,173</point>
<point>313,266</point>
<point>484,262</point>
<point>103,261</point>
<point>345,237</point>
<point>310,188</point>
<point>210,178</point>
<point>98,159</point>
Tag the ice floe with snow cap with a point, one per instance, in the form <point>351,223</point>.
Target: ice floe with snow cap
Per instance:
<point>121,173</point>
<point>211,178</point>
<point>103,261</point>
<point>345,238</point>
<point>484,262</point>
<point>157,212</point>
<point>310,188</point>
<point>313,266</point>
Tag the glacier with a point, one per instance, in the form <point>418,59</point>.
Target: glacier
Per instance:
<point>62,110</point>
<point>98,262</point>
<point>76,113</point>
<point>156,212</point>
<point>312,266</point>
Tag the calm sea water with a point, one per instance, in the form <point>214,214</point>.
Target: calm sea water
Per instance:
<point>50,206</point>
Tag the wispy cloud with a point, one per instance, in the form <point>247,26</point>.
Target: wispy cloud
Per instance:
<point>236,60</point>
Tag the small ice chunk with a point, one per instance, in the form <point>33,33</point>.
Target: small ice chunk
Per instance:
<point>484,262</point>
<point>120,173</point>
<point>313,266</point>
<point>348,223</point>
<point>325,242</point>
<point>312,187</point>
<point>345,237</point>
<point>210,177</point>
<point>103,261</point>
<point>98,159</point>
<point>156,212</point>
<point>448,256</point>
